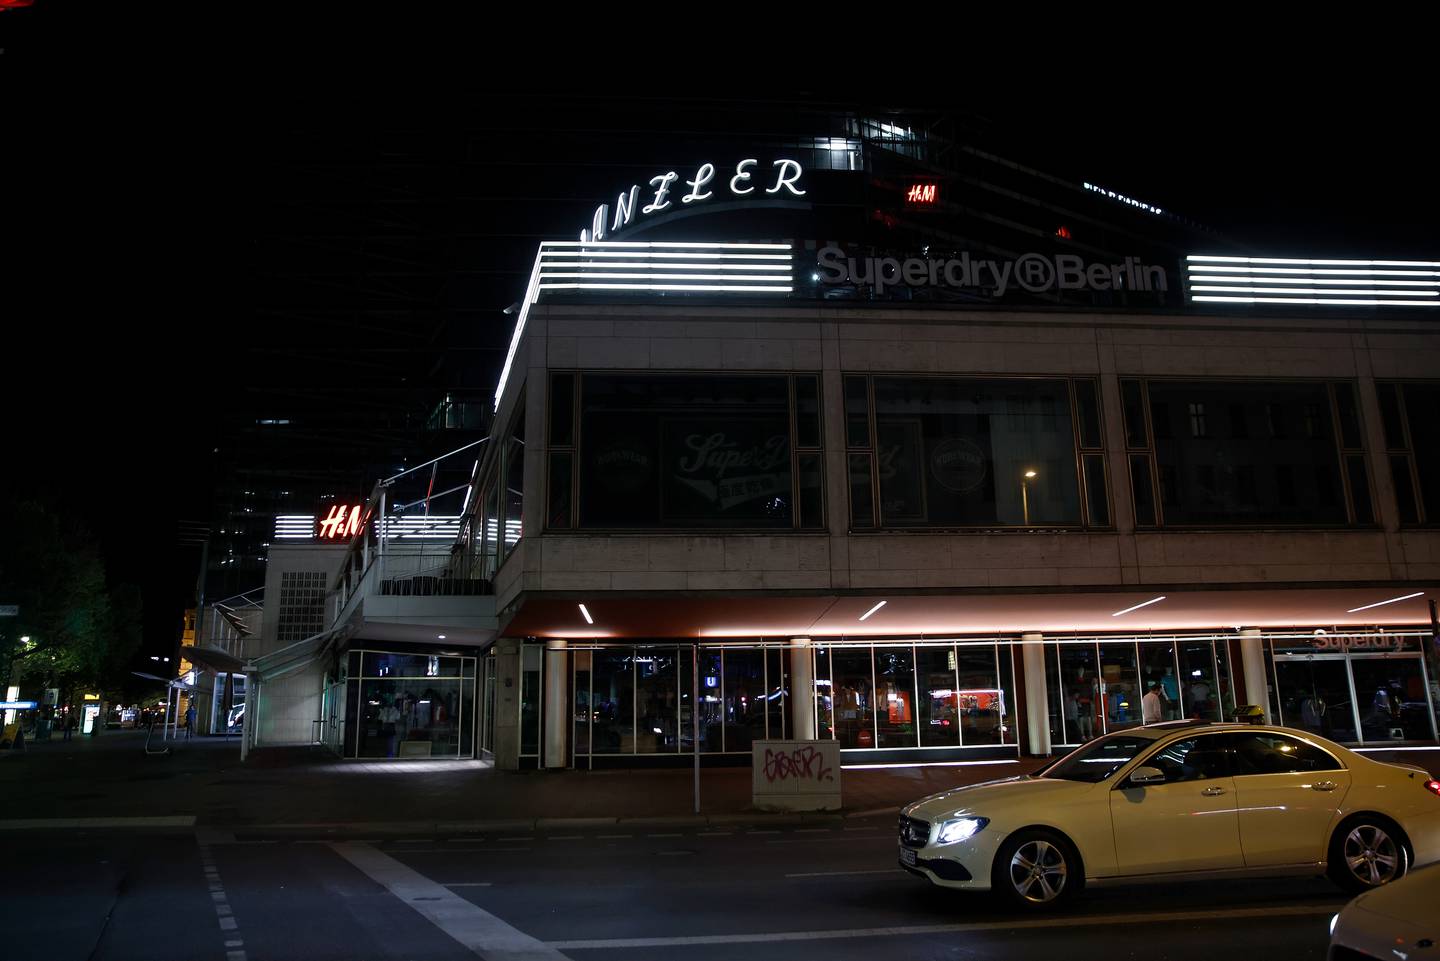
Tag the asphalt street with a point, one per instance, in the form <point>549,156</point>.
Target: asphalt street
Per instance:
<point>598,894</point>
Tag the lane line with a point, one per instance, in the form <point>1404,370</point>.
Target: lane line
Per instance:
<point>853,837</point>
<point>813,830</point>
<point>566,837</point>
<point>664,835</point>
<point>469,884</point>
<point>925,929</point>
<point>612,837</point>
<point>842,874</point>
<point>475,928</point>
<point>715,834</point>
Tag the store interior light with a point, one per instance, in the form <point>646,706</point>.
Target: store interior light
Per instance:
<point>1393,600</point>
<point>1153,600</point>
<point>588,618</point>
<point>873,610</point>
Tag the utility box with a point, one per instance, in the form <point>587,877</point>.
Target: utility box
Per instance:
<point>795,775</point>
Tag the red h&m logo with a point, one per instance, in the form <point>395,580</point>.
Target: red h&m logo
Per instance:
<point>14,4</point>
<point>343,521</point>
<point>923,194</point>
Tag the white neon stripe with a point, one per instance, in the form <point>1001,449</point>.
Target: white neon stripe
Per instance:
<point>713,287</point>
<point>609,265</point>
<point>1313,280</point>
<point>519,331</point>
<point>1218,268</point>
<point>1336,263</point>
<point>777,258</point>
<point>669,244</point>
<point>1393,600</point>
<point>873,610</point>
<point>1376,750</point>
<point>1153,600</point>
<point>588,618</point>
<point>1312,300</point>
<point>785,279</point>
<point>877,767</point>
<point>1332,293</point>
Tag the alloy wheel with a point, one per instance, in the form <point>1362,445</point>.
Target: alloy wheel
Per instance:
<point>1038,871</point>
<point>1372,856</point>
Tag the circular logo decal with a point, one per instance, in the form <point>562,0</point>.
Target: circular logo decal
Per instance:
<point>622,465</point>
<point>958,465</point>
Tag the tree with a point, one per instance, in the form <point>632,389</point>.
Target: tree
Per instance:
<point>51,567</point>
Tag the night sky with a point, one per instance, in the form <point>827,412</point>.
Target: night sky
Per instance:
<point>141,196</point>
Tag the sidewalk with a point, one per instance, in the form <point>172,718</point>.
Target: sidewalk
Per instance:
<point>111,777</point>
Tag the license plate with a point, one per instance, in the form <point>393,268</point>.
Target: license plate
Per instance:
<point>907,857</point>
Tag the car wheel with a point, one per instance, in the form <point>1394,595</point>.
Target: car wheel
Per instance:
<point>1367,852</point>
<point>1036,870</point>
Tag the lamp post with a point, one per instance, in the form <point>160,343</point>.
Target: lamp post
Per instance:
<point>1025,494</point>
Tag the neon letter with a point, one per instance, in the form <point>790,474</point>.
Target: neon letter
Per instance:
<point>743,176</point>
<point>597,223</point>
<point>703,176</point>
<point>787,182</point>
<point>662,188</point>
<point>625,208</point>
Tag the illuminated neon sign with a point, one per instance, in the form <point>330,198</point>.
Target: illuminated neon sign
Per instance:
<point>604,223</point>
<point>922,194</point>
<point>343,521</point>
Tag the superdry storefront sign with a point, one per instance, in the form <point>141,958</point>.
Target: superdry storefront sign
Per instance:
<point>1032,273</point>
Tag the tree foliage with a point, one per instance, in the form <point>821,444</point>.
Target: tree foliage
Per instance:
<point>81,632</point>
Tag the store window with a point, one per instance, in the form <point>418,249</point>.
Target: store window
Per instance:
<point>409,705</point>
<point>697,452</point>
<point>953,453</point>
<point>1236,454</point>
<point>1412,438</point>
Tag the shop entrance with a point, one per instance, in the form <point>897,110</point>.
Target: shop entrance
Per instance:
<point>1369,699</point>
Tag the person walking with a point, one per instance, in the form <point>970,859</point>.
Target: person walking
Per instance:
<point>1152,706</point>
<point>190,720</point>
<point>69,724</point>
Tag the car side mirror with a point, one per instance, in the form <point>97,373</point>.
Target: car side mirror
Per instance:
<point>1142,776</point>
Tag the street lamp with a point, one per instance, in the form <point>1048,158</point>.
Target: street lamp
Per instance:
<point>1025,494</point>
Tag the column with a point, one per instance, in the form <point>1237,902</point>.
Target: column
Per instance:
<point>556,702</point>
<point>507,704</point>
<point>1037,700</point>
<point>1252,656</point>
<point>802,690</point>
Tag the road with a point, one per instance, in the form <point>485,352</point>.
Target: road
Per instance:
<point>598,894</point>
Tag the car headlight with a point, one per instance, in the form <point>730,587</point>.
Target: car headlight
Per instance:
<point>959,829</point>
<point>1333,919</point>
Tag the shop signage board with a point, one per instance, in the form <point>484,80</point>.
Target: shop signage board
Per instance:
<point>795,775</point>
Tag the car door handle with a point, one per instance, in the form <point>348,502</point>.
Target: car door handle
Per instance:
<point>1324,785</point>
<point>1213,791</point>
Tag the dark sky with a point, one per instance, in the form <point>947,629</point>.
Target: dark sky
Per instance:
<point>130,183</point>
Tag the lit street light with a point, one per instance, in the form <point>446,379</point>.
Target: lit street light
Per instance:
<point>1025,494</point>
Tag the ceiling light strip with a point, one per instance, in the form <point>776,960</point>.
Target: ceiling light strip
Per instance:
<point>666,255</point>
<point>1311,280</point>
<point>611,265</point>
<point>1393,600</point>
<point>706,287</point>
<point>1335,263</point>
<point>1328,293</point>
<point>1222,269</point>
<point>872,610</point>
<point>663,244</point>
<point>1153,600</point>
<point>598,275</point>
<point>1315,300</point>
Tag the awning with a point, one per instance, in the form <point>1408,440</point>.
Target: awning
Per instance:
<point>168,681</point>
<point>213,658</point>
<point>292,658</point>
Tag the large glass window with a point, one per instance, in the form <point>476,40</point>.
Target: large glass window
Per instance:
<point>939,700</point>
<point>712,711</point>
<point>1412,433</point>
<point>1080,693</point>
<point>968,453</point>
<point>409,705</point>
<point>895,696</point>
<point>745,693</point>
<point>1120,685</point>
<point>657,701</point>
<point>1271,459</point>
<point>612,701</point>
<point>1157,667</point>
<point>982,699</point>
<point>1199,693</point>
<point>854,705</point>
<point>697,451</point>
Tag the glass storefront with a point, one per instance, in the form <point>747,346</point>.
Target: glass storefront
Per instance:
<point>408,705</point>
<point>1369,689</point>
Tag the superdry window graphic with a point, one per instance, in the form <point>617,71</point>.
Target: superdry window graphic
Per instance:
<point>991,277</point>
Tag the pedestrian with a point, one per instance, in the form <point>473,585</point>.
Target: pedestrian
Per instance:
<point>190,720</point>
<point>1152,706</point>
<point>69,724</point>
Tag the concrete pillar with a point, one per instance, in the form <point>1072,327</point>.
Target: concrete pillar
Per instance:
<point>1252,656</point>
<point>802,690</point>
<point>1037,701</point>
<point>507,704</point>
<point>556,703</point>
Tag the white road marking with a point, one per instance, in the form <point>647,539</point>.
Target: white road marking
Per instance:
<point>469,884</point>
<point>477,929</point>
<point>853,837</point>
<point>613,837</point>
<point>924,929</point>
<point>766,831</point>
<point>664,835</point>
<point>842,874</point>
<point>566,837</point>
<point>531,838</point>
<point>813,830</point>
<point>455,840</point>
<point>714,834</point>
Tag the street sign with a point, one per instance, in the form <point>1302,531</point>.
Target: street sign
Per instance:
<point>17,705</point>
<point>9,610</point>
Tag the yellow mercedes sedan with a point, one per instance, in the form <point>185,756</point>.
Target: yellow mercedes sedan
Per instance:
<point>1178,801</point>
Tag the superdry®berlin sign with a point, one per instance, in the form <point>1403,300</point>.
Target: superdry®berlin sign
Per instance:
<point>1033,273</point>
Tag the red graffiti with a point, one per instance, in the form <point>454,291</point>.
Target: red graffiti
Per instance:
<point>801,763</point>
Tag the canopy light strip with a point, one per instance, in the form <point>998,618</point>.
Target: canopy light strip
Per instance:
<point>1315,300</point>
<point>872,610</point>
<point>586,612</point>
<point>1331,293</point>
<point>1219,268</point>
<point>784,279</point>
<point>1313,280</point>
<point>662,244</point>
<point>709,287</point>
<point>1153,600</point>
<point>677,255</point>
<point>611,265</point>
<point>1328,263</point>
<point>1393,600</point>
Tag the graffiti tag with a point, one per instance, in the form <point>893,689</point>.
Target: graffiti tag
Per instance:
<point>803,763</point>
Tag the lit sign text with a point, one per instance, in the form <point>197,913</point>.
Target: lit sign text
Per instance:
<point>342,522</point>
<point>665,193</point>
<point>1035,273</point>
<point>922,194</point>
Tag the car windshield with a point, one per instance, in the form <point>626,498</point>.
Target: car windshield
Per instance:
<point>1097,760</point>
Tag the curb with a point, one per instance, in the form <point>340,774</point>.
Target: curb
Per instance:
<point>65,824</point>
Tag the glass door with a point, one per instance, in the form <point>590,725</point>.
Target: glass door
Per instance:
<point>1390,694</point>
<point>1315,695</point>
<point>1080,700</point>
